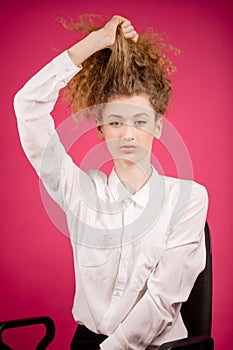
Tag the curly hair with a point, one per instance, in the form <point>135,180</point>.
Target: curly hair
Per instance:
<point>127,69</point>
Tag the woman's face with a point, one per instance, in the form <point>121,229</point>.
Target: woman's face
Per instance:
<point>129,127</point>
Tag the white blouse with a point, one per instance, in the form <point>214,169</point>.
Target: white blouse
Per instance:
<point>136,257</point>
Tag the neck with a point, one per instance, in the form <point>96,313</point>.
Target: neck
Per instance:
<point>133,176</point>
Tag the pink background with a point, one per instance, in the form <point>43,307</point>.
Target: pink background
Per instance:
<point>36,259</point>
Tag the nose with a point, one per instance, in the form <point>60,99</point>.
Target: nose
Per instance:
<point>128,133</point>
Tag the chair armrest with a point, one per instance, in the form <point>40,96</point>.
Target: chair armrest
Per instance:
<point>45,320</point>
<point>205,342</point>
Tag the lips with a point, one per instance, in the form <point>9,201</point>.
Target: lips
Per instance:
<point>128,146</point>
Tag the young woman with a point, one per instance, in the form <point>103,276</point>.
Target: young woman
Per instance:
<point>137,236</point>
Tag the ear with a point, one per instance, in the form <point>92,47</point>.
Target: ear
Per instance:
<point>99,129</point>
<point>158,127</point>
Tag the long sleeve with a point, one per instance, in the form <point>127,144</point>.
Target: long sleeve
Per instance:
<point>170,282</point>
<point>40,141</point>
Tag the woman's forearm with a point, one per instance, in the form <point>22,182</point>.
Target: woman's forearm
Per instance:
<point>92,43</point>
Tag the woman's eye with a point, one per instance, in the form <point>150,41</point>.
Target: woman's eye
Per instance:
<point>115,123</point>
<point>140,122</point>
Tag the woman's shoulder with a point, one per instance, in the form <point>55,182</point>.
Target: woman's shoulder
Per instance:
<point>188,186</point>
<point>187,199</point>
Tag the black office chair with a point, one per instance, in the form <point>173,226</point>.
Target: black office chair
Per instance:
<point>196,313</point>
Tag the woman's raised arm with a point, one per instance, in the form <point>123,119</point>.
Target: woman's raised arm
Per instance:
<point>34,103</point>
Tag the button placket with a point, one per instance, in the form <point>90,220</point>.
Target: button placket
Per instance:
<point>121,278</point>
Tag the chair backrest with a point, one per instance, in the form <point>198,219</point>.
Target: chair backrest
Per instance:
<point>197,310</point>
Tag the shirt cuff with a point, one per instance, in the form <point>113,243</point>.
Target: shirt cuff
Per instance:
<point>65,68</point>
<point>116,341</point>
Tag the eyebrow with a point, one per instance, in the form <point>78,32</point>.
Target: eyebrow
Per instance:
<point>135,115</point>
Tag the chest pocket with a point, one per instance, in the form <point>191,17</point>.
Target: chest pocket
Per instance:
<point>95,263</point>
